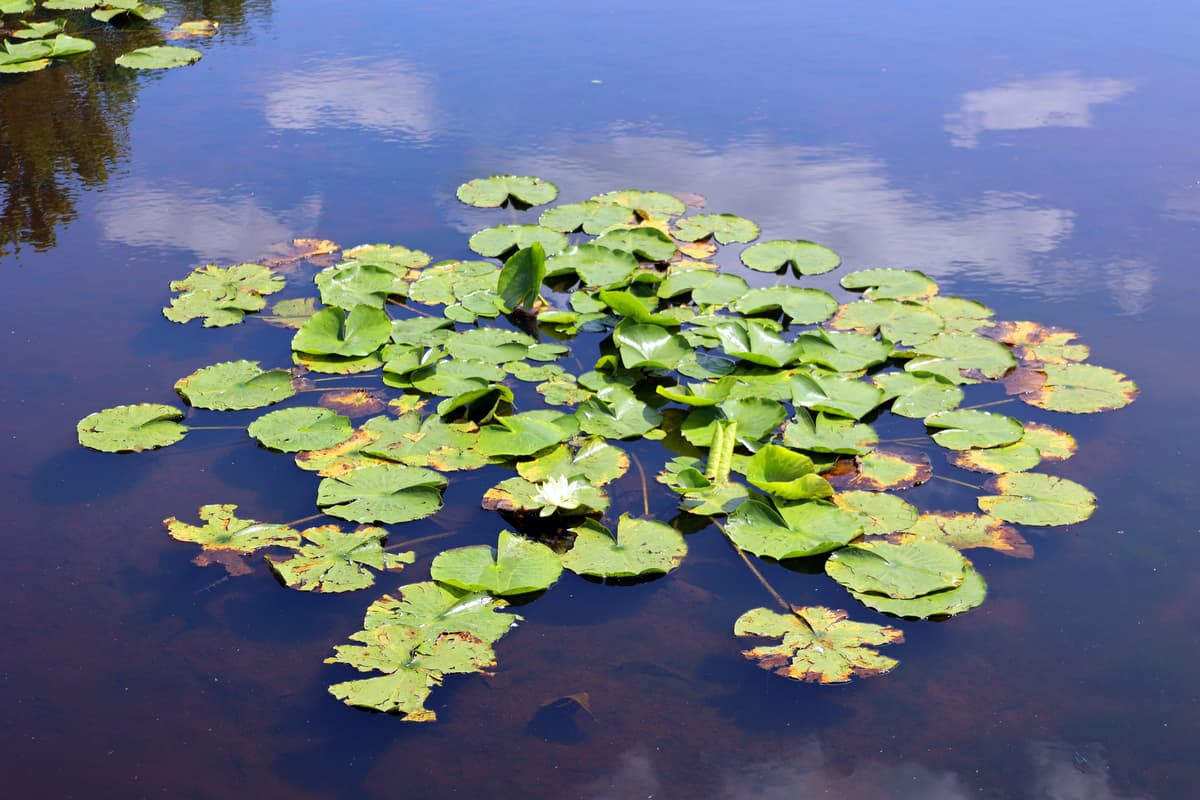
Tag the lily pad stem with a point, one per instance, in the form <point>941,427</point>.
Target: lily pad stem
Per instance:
<point>302,520</point>
<point>645,490</point>
<point>988,405</point>
<point>422,539</point>
<point>407,307</point>
<point>958,482</point>
<point>341,377</point>
<point>216,427</point>
<point>341,389</point>
<point>753,569</point>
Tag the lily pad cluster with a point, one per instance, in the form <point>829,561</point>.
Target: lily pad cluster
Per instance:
<point>39,33</point>
<point>790,418</point>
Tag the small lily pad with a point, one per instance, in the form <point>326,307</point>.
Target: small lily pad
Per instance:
<point>159,57</point>
<point>725,228</point>
<point>515,566</point>
<point>131,429</point>
<point>500,189</point>
<point>819,645</point>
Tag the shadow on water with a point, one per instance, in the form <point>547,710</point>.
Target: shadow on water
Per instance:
<point>78,476</point>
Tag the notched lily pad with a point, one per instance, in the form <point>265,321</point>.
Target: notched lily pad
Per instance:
<point>639,547</point>
<point>515,566</point>
<point>131,429</point>
<point>332,561</point>
<point>233,385</point>
<point>1082,389</point>
<point>725,228</point>
<point>222,530</point>
<point>820,645</point>
<point>1031,498</point>
<point>804,257</point>
<point>222,295</point>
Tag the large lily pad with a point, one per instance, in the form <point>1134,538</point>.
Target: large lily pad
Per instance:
<point>500,189</point>
<point>502,240</point>
<point>523,434</point>
<point>331,331</point>
<point>802,306</point>
<point>639,547</point>
<point>294,429</point>
<point>222,295</point>
<point>945,603</point>
<point>222,530</point>
<point>649,346</point>
<point>804,257</point>
<point>819,644</point>
<point>725,228</point>
<point>786,474</point>
<point>953,354</point>
<point>515,566</point>
<point>352,284</point>
<point>386,493</point>
<point>960,430</point>
<point>650,204</point>
<point>131,429</point>
<point>791,530</point>
<point>1082,389</point>
<point>159,57</point>
<point>333,561</point>
<point>964,531</point>
<point>891,284</point>
<point>592,216</point>
<point>233,385</point>
<point>905,568</point>
<point>879,513</point>
<point>838,396</point>
<point>1031,498</point>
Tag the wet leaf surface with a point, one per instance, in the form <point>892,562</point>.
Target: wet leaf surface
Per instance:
<point>235,385</point>
<point>332,561</point>
<point>515,566</point>
<point>819,645</point>
<point>131,429</point>
<point>222,530</point>
<point>639,547</point>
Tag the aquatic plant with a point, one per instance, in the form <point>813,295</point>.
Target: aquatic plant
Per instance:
<point>764,400</point>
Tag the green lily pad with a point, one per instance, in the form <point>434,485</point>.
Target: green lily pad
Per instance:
<point>521,279</point>
<point>879,513</point>
<point>232,385</point>
<point>649,346</point>
<point>521,435</point>
<point>1082,389</point>
<point>964,531</point>
<point>352,284</point>
<point>918,396</point>
<point>222,295</point>
<point>558,494</point>
<point>395,257</point>
<point>902,569</point>
<point>756,343</point>
<point>652,204</point>
<point>648,243</point>
<point>111,9</point>
<point>502,240</point>
<point>448,282</point>
<point>840,352</point>
<point>594,460</point>
<point>36,55</point>
<point>838,396</point>
<point>960,430</point>
<point>333,561</point>
<point>725,228</point>
<point>387,493</point>
<point>1017,457</point>
<point>333,332</point>
<point>791,530</point>
<point>591,216</point>
<point>880,471</point>
<point>945,603</point>
<point>515,566</point>
<point>595,265</point>
<point>802,306</point>
<point>294,429</point>
<point>640,547</point>
<point>786,474</point>
<point>435,609</point>
<point>1031,498</point>
<point>891,284</point>
<point>341,458</point>
<point>30,29</point>
<point>818,645</point>
<point>500,189</point>
<point>159,57</point>
<point>20,6</point>
<point>222,530</point>
<point>960,315</point>
<point>131,429</point>
<point>825,434</point>
<point>804,257</point>
<point>290,313</point>
<point>950,354</point>
<point>899,321</point>
<point>636,308</point>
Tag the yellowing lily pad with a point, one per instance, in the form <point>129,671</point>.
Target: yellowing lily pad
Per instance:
<point>333,561</point>
<point>1082,389</point>
<point>879,513</point>
<point>222,530</point>
<point>880,471</point>
<point>964,531</point>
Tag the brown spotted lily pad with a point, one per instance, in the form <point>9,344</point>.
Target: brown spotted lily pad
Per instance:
<point>818,644</point>
<point>1082,389</point>
<point>964,531</point>
<point>880,471</point>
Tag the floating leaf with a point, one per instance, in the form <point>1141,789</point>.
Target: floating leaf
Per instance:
<point>845,398</point>
<point>500,189</point>
<point>332,331</point>
<point>352,402</point>
<point>640,547</point>
<point>352,284</point>
<point>557,494</point>
<point>945,603</point>
<point>521,279</point>
<point>824,434</point>
<point>1052,444</point>
<point>651,204</point>
<point>802,306</point>
<point>196,29</point>
<point>295,429</point>
<point>879,513</point>
<point>819,644</point>
<point>111,9</point>
<point>1082,389</point>
<point>521,435</point>
<point>160,57</point>
<point>501,240</point>
<point>841,352</point>
<point>960,430</point>
<point>515,566</point>
<point>131,429</point>
<point>592,216</point>
<point>1031,498</point>
<point>233,385</point>
<point>222,295</point>
<point>899,321</point>
<point>725,228</point>
<point>31,29</point>
<point>333,561</point>
<point>649,243</point>
<point>754,342</point>
<point>616,413</point>
<point>959,314</point>
<point>880,471</point>
<point>387,493</point>
<point>891,284</point>
<point>1016,457</point>
<point>786,474</point>
<point>805,258</point>
<point>791,530</point>
<point>341,458</point>
<point>35,55</point>
<point>904,568</point>
<point>595,461</point>
<point>964,531</point>
<point>649,346</point>
<point>950,354</point>
<point>1039,343</point>
<point>918,396</point>
<point>222,530</point>
<point>595,265</point>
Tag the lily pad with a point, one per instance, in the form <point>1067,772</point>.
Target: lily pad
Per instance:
<point>294,429</point>
<point>640,547</point>
<point>903,569</point>
<point>341,458</point>
<point>891,284</point>
<point>881,471</point>
<point>500,189</point>
<point>1082,389</point>
<point>960,430</point>
<point>951,354</point>
<point>352,284</point>
<point>1040,344</point>
<point>521,279</point>
<point>388,493</point>
<point>195,29</point>
<point>131,429</point>
<point>786,474</point>
<point>918,396</point>
<point>522,434</point>
<point>36,55</point>
<point>222,530</point>
<point>159,57</point>
<point>648,243</point>
<point>838,396</point>
<point>111,9</point>
<point>333,561</point>
<point>593,216</point>
<point>879,513</point>
<point>515,566</point>
<point>649,346</point>
<point>232,385</point>
<point>945,603</point>
<point>818,645</point>
<point>1031,498</point>
<point>30,29</point>
<point>595,265</point>
<point>802,306</point>
<point>791,530</point>
<point>1052,444</point>
<point>1017,457</point>
<point>332,331</point>
<point>616,413</point>
<point>896,320</point>
<point>557,494</point>
<point>725,228</point>
<point>804,257</point>
<point>222,295</point>
<point>502,240</point>
<point>651,204</point>
<point>825,434</point>
<point>964,531</point>
<point>594,460</point>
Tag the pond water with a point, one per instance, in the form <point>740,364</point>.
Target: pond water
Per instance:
<point>1040,158</point>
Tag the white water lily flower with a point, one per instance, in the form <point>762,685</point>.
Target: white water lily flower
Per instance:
<point>558,492</point>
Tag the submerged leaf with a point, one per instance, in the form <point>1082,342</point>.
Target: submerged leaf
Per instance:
<point>131,429</point>
<point>819,644</point>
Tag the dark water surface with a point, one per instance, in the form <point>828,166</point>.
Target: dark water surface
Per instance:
<point>1043,160</point>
